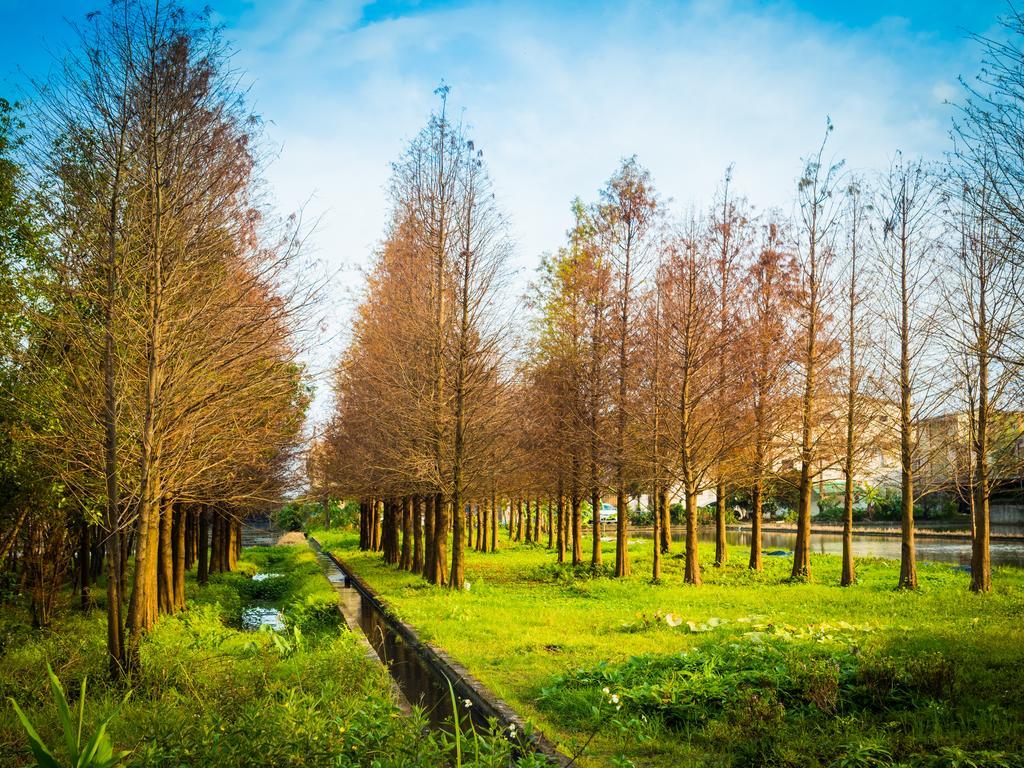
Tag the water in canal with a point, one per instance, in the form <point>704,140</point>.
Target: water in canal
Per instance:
<point>421,685</point>
<point>953,550</point>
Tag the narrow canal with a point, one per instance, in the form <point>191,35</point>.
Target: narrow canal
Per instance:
<point>420,683</point>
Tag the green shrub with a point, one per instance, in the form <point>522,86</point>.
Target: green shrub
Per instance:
<point>292,517</point>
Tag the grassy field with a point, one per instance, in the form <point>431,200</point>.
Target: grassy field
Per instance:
<point>211,694</point>
<point>744,670</point>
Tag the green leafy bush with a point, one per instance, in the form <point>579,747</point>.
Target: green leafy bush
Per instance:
<point>292,517</point>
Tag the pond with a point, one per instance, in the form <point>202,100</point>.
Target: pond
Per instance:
<point>953,550</point>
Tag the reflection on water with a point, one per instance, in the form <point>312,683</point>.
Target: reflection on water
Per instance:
<point>256,616</point>
<point>956,551</point>
<point>420,684</point>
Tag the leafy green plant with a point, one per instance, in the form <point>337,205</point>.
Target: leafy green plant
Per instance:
<point>867,754</point>
<point>954,757</point>
<point>97,752</point>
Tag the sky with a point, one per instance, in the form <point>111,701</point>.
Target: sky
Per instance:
<point>557,93</point>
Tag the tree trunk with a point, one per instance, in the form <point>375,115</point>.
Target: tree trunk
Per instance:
<point>666,523</point>
<point>178,515</point>
<point>494,522</point>
<point>756,563</point>
<point>407,534</point>
<point>417,533</point>
<point>440,556</point>
<point>908,555</point>
<point>203,546</point>
<point>429,516</point>
<point>375,524</point>
<point>656,537</point>
<point>577,528</point>
<point>721,546</point>
<point>692,574</point>
<point>165,573</point>
<point>848,575</point>
<point>519,519</point>
<point>981,562</point>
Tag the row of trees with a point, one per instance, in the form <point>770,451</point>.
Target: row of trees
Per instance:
<point>152,395</point>
<point>729,350</point>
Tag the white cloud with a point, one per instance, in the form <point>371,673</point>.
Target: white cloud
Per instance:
<point>555,100</point>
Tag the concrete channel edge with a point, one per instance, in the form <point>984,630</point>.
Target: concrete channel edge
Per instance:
<point>466,686</point>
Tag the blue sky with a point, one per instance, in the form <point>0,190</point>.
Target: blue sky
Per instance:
<point>557,92</point>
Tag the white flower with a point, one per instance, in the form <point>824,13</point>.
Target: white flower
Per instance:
<point>615,698</point>
<point>606,689</point>
<point>466,586</point>
<point>467,703</point>
<point>512,730</point>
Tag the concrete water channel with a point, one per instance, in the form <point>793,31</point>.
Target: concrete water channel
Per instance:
<point>425,676</point>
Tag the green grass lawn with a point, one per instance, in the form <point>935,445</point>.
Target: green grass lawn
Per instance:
<point>210,694</point>
<point>757,672</point>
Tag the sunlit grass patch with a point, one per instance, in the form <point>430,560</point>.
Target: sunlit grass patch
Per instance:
<point>944,664</point>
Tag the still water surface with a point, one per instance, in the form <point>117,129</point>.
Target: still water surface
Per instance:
<point>956,551</point>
